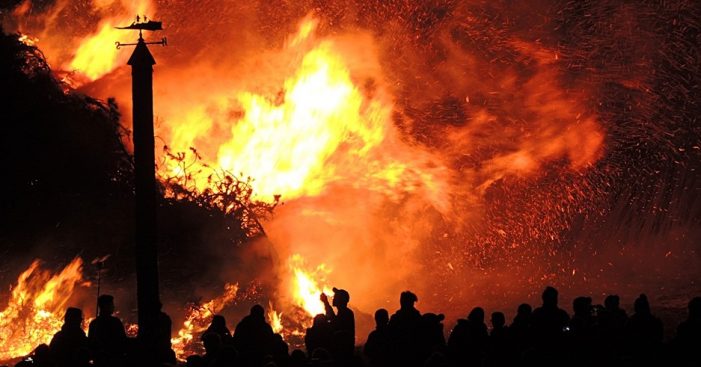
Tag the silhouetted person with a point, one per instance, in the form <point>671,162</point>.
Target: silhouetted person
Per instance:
<point>165,331</point>
<point>298,358</point>
<point>687,343</point>
<point>431,338</point>
<point>42,356</point>
<point>500,347</point>
<point>212,346</point>
<point>106,335</point>
<point>643,333</point>
<point>549,320</point>
<point>521,329</point>
<point>319,335</point>
<point>403,330</point>
<point>468,340</point>
<point>253,337</point>
<point>218,326</point>
<point>612,319</point>
<point>549,324</point>
<point>280,351</point>
<point>69,346</point>
<point>342,324</point>
<point>582,336</point>
<point>377,347</point>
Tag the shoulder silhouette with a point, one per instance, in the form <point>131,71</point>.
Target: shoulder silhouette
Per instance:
<point>69,346</point>
<point>106,334</point>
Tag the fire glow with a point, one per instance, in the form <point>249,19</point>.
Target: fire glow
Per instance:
<point>318,129</point>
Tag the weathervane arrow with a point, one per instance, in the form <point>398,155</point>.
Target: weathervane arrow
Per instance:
<point>145,25</point>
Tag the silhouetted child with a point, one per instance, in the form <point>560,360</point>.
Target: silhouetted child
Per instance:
<point>106,335</point>
<point>377,347</point>
<point>69,346</point>
<point>468,340</point>
<point>319,335</point>
<point>431,338</point>
<point>521,329</point>
<point>500,351</point>
<point>342,324</point>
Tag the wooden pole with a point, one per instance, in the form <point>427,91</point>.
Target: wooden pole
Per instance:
<point>148,301</point>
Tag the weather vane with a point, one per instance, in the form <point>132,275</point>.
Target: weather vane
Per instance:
<point>144,24</point>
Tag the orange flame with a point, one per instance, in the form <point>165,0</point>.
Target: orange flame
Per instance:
<point>274,318</point>
<point>96,55</point>
<point>198,319</point>
<point>34,312</point>
<point>312,133</point>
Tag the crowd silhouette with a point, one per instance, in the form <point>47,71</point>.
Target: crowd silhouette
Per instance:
<point>595,335</point>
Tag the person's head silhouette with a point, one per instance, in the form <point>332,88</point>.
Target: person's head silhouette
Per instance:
<point>73,318</point>
<point>476,315</point>
<point>407,299</point>
<point>381,318</point>
<point>218,321</point>
<point>550,297</point>
<point>340,297</point>
<point>642,305</point>
<point>612,302</point>
<point>258,312</point>
<point>105,304</point>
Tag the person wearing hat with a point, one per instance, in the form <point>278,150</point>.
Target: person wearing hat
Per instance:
<point>342,324</point>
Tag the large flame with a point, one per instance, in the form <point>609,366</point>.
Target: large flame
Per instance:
<point>36,306</point>
<point>320,128</point>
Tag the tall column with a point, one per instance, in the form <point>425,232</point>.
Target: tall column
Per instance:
<point>142,62</point>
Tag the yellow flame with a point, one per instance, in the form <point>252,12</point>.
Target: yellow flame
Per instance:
<point>306,287</point>
<point>275,318</point>
<point>319,129</point>
<point>96,55</point>
<point>35,310</point>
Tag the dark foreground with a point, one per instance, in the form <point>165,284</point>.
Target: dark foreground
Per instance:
<point>594,335</point>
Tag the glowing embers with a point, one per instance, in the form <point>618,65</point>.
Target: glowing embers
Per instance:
<point>35,310</point>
